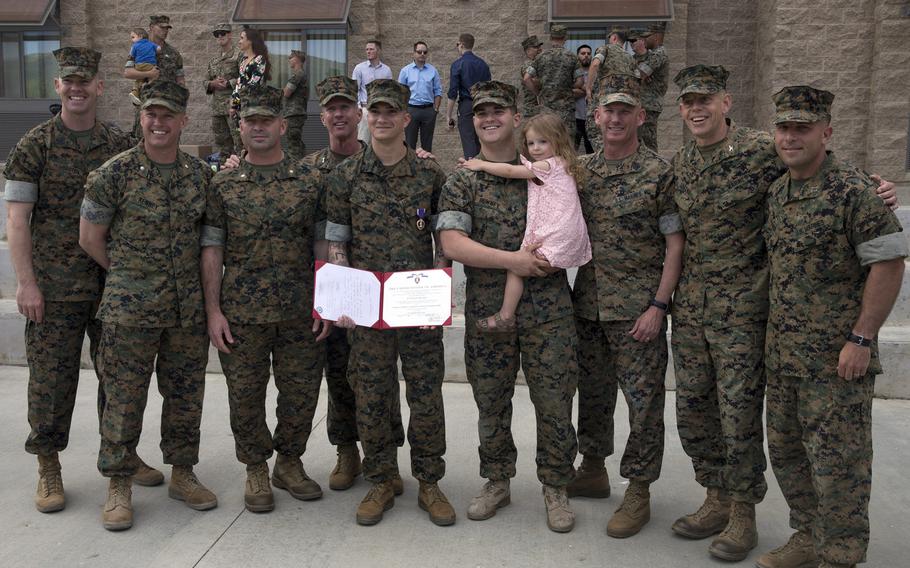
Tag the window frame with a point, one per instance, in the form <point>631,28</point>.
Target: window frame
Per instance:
<point>51,26</point>
<point>597,21</point>
<point>343,21</point>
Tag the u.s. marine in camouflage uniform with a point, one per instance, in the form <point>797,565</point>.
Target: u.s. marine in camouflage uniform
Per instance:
<point>382,207</point>
<point>836,262</point>
<point>296,94</point>
<point>141,219</point>
<point>621,299</point>
<point>610,59</point>
<point>552,75</point>
<point>341,115</point>
<point>654,68</point>
<point>260,224</point>
<point>219,74</point>
<point>528,103</point>
<point>59,285</point>
<point>482,225</point>
<point>170,62</point>
<point>720,309</point>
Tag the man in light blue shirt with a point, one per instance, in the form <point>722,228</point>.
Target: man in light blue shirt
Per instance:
<point>364,73</point>
<point>426,95</point>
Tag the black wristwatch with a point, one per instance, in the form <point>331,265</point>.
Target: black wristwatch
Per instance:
<point>658,304</point>
<point>859,340</point>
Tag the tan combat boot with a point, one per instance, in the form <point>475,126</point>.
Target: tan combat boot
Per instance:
<point>633,513</point>
<point>591,479</point>
<point>431,499</point>
<point>494,495</point>
<point>397,483</point>
<point>740,536</point>
<point>560,517</point>
<point>826,564</point>
<point>290,476</point>
<point>799,552</point>
<point>379,499</point>
<point>49,495</point>
<point>147,475</point>
<point>346,469</point>
<point>257,496</point>
<point>186,487</point>
<point>118,510</point>
<point>709,519</point>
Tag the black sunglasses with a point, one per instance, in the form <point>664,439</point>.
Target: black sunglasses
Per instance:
<point>421,51</point>
<point>219,34</point>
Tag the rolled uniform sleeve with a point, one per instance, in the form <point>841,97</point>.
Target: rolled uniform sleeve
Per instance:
<point>338,209</point>
<point>213,232</point>
<point>455,206</point>
<point>668,220</point>
<point>99,204</point>
<point>22,172</point>
<point>874,230</point>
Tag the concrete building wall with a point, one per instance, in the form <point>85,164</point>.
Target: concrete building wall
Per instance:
<point>860,49</point>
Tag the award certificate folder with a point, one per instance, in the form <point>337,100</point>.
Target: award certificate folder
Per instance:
<point>383,300</point>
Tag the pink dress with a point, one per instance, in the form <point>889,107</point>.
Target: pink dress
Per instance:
<point>554,217</point>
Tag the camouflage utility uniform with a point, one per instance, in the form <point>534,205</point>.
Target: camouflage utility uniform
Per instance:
<point>151,309</point>
<point>613,61</point>
<point>721,307</point>
<point>822,235</point>
<point>628,208</point>
<point>341,420</point>
<point>655,64</point>
<point>374,208</point>
<point>528,105</point>
<point>491,210</point>
<point>48,168</point>
<point>294,111</point>
<point>265,219</point>
<point>224,65</point>
<point>555,68</point>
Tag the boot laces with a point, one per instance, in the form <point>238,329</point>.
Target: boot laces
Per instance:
<point>189,482</point>
<point>736,527</point>
<point>118,493</point>
<point>707,508</point>
<point>346,462</point>
<point>432,494</point>
<point>259,480</point>
<point>556,499</point>
<point>375,492</point>
<point>632,499</point>
<point>797,541</point>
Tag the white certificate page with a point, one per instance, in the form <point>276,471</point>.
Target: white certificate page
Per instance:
<point>342,291</point>
<point>417,298</point>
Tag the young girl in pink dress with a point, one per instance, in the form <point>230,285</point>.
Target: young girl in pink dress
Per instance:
<point>554,219</point>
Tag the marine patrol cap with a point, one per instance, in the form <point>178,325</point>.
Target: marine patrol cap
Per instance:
<point>801,103</point>
<point>558,31</point>
<point>79,61</point>
<point>336,86</point>
<point>160,20</point>
<point>222,27</point>
<point>702,79</point>
<point>496,92</point>
<point>164,93</point>
<point>531,41</point>
<point>388,91</point>
<point>620,89</point>
<point>260,101</point>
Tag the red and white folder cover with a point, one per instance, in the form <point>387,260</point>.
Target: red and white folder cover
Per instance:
<point>383,300</point>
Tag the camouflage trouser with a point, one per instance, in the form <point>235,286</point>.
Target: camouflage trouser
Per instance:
<point>547,356</point>
<point>608,356</point>
<point>127,356</point>
<point>234,124</point>
<point>594,133</point>
<point>293,137</point>
<point>341,422</point>
<point>54,350</point>
<point>647,132</point>
<point>290,347</point>
<point>568,118</point>
<point>720,388</point>
<point>224,142</point>
<point>820,443</point>
<point>373,375</point>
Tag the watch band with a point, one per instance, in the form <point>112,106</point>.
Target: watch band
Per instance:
<point>859,340</point>
<point>658,304</point>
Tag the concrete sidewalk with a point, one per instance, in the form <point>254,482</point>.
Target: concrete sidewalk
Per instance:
<point>323,533</point>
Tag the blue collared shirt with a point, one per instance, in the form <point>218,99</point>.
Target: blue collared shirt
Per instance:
<point>467,70</point>
<point>364,74</point>
<point>424,83</point>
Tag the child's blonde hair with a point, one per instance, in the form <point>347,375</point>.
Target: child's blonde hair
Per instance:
<point>549,126</point>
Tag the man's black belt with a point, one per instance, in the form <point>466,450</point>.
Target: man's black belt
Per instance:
<point>421,106</point>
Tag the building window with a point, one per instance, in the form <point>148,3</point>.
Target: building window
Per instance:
<point>27,65</point>
<point>609,10</point>
<point>326,55</point>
